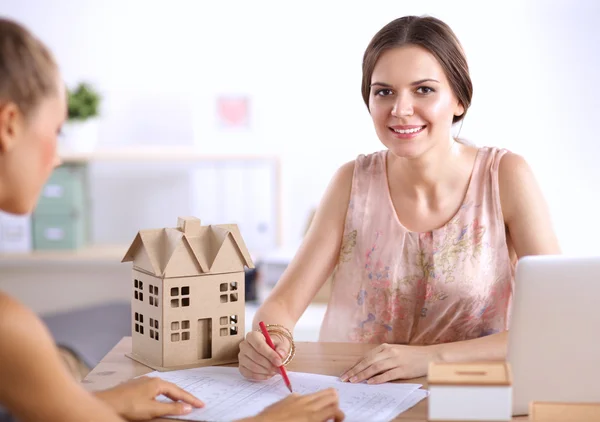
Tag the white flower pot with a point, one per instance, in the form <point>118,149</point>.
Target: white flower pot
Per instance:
<point>79,136</point>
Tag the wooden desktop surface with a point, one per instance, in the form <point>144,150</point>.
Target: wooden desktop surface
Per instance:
<point>317,358</point>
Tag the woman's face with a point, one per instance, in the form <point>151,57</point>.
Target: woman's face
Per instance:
<point>411,102</point>
<point>29,154</point>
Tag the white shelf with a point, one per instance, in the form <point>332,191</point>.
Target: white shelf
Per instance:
<point>157,154</point>
<point>93,254</point>
<point>184,154</point>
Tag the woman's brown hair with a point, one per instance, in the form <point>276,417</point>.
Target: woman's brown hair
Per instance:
<point>431,34</point>
<point>28,70</point>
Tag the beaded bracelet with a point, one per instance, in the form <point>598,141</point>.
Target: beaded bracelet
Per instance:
<point>280,329</point>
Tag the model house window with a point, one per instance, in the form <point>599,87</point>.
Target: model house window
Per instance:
<point>180,330</point>
<point>154,329</point>
<point>138,289</point>
<point>231,325</point>
<point>153,298</point>
<point>228,292</point>
<point>180,296</point>
<point>139,323</point>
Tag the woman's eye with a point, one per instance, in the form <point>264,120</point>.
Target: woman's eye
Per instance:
<point>384,92</point>
<point>424,90</point>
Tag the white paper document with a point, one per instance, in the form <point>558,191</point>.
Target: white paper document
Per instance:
<point>229,396</point>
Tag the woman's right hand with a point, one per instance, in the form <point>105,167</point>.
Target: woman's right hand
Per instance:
<point>317,407</point>
<point>257,361</point>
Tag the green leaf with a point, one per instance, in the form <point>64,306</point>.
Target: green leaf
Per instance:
<point>83,102</point>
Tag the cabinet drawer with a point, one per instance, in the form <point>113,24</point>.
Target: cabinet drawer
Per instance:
<point>64,192</point>
<point>59,231</point>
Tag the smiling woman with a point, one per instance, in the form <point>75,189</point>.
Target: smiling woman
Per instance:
<point>422,237</point>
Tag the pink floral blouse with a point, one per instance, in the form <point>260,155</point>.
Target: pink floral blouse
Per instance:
<point>392,285</point>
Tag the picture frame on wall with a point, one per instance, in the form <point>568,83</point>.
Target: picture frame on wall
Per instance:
<point>233,112</point>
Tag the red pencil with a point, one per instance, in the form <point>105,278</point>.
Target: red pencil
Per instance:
<point>263,328</point>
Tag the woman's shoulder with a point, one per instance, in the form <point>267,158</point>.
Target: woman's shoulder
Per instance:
<point>341,181</point>
<point>23,332</point>
<point>504,161</point>
<point>9,307</point>
<point>513,171</point>
<point>501,160</point>
<point>370,159</point>
<point>511,174</point>
<point>355,172</point>
<point>19,325</point>
<point>363,164</point>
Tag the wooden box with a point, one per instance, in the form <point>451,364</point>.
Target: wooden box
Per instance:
<point>554,412</point>
<point>470,391</point>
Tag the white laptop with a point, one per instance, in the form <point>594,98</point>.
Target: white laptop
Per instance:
<point>554,336</point>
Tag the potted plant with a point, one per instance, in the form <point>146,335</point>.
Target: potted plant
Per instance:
<point>80,132</point>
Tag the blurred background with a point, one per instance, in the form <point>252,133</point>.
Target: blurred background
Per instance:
<point>240,112</point>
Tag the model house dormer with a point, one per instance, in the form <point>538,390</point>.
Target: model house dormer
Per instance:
<point>187,299</point>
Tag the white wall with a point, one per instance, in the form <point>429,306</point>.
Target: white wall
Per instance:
<point>159,65</point>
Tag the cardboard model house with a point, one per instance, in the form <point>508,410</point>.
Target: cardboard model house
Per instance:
<point>187,298</point>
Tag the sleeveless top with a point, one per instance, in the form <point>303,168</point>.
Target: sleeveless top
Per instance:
<point>392,285</point>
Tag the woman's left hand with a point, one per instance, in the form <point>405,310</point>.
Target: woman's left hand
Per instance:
<point>135,400</point>
<point>391,362</point>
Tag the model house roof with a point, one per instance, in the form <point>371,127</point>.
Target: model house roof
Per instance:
<point>189,249</point>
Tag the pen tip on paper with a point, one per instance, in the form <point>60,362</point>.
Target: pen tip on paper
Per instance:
<point>290,388</point>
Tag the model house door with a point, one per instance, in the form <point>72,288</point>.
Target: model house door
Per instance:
<point>204,338</point>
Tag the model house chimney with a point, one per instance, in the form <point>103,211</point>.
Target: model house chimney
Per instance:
<point>189,225</point>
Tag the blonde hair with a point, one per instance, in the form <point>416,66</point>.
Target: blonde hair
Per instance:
<point>28,69</point>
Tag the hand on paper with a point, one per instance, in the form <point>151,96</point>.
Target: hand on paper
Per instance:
<point>391,362</point>
<point>135,399</point>
<point>257,361</point>
<point>317,407</point>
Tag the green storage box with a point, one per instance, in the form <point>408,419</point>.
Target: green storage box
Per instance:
<point>65,191</point>
<point>58,231</point>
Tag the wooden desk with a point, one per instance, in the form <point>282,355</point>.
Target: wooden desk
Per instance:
<point>318,358</point>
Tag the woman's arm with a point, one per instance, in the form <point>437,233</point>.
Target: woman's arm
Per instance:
<point>529,226</point>
<point>526,213</point>
<point>305,275</point>
<point>34,383</point>
<point>315,259</point>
